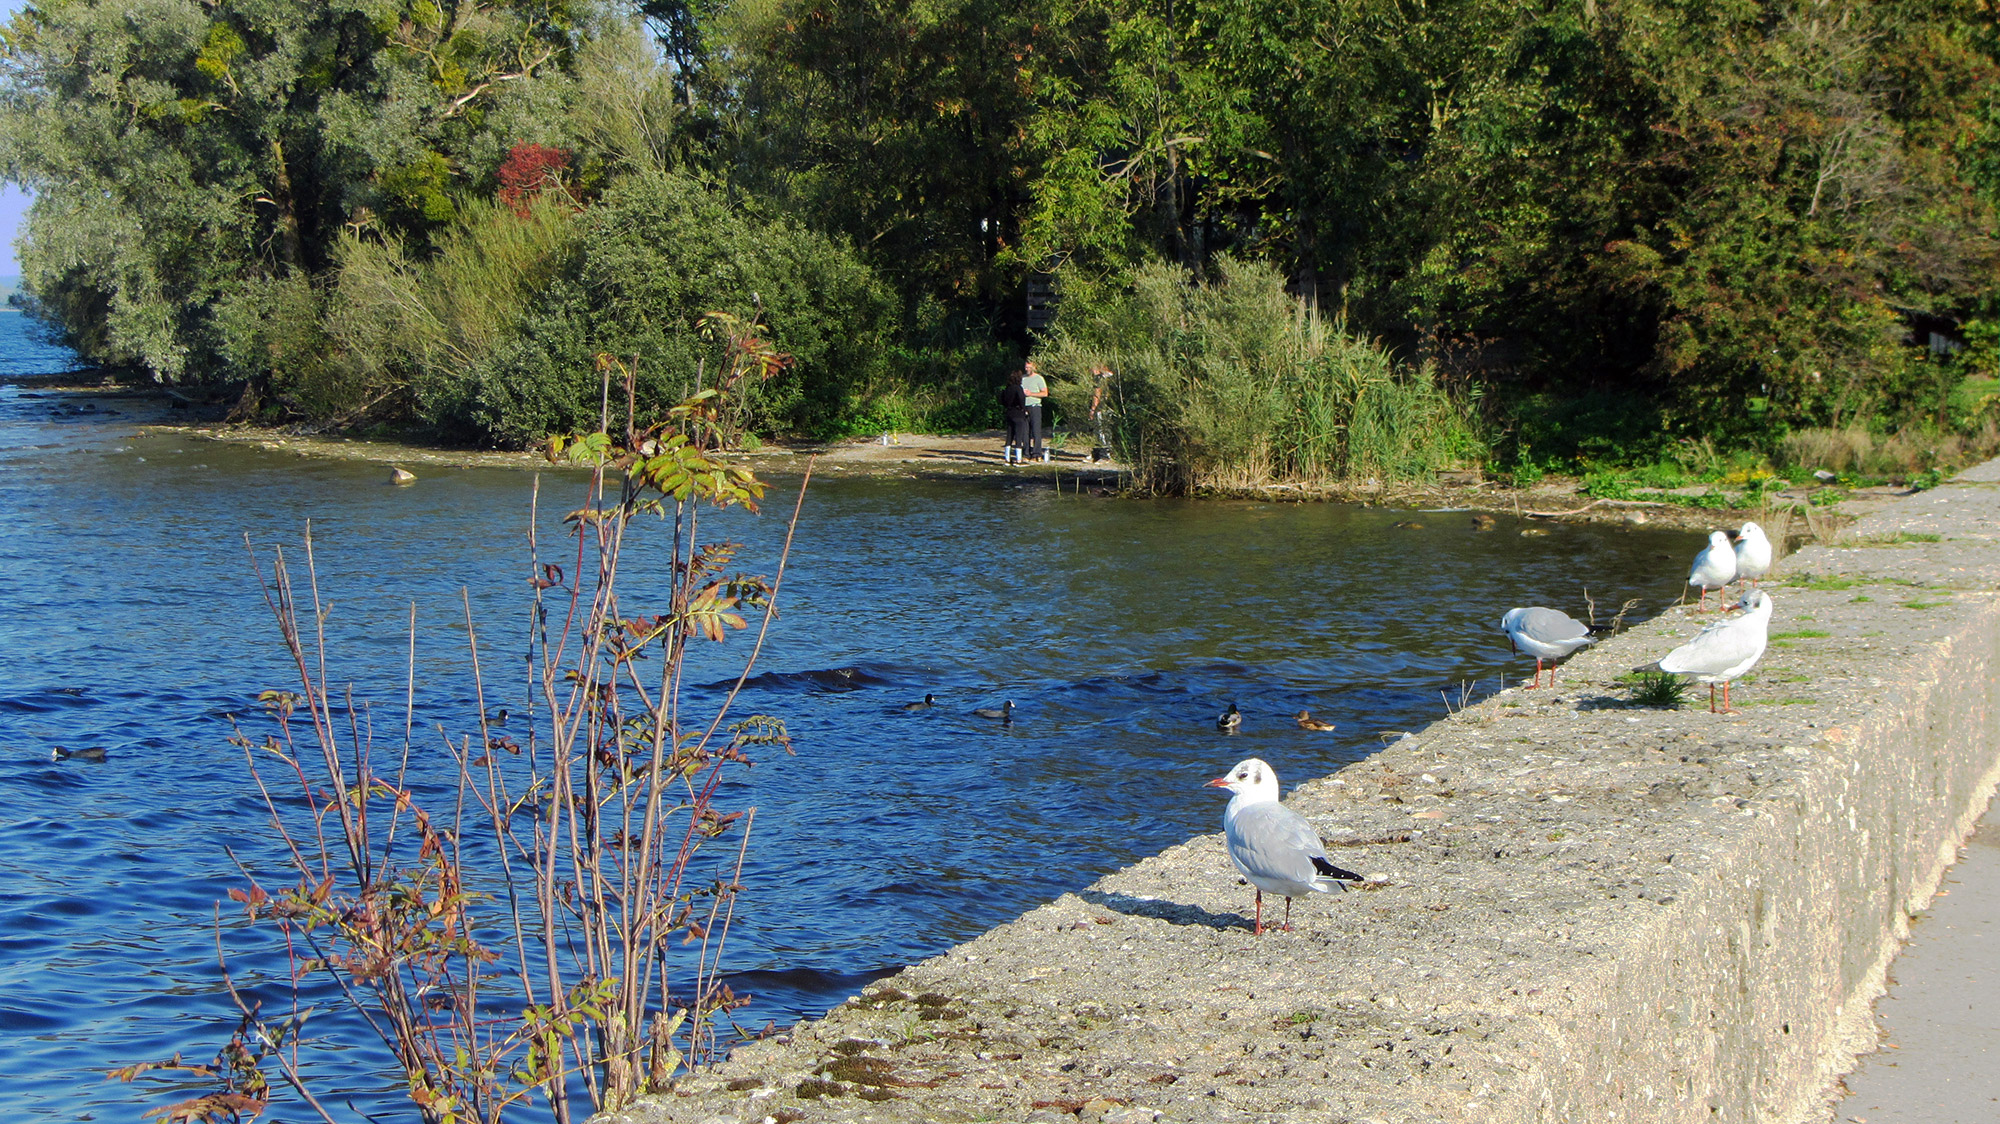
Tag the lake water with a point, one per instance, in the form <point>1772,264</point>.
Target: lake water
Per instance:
<point>130,619</point>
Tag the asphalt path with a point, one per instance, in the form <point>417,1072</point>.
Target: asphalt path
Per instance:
<point>1939,1024</point>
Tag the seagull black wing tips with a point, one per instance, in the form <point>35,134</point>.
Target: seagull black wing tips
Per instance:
<point>1331,871</point>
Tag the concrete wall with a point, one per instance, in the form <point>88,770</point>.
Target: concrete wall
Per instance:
<point>1586,910</point>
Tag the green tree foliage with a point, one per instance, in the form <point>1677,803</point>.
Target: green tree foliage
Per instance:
<point>894,124</point>
<point>503,322</point>
<point>192,161</point>
<point>1732,208</point>
<point>1683,218</point>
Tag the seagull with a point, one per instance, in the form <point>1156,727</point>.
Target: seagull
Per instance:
<point>1229,721</point>
<point>1004,712</point>
<point>929,700</point>
<point>1753,553</point>
<point>1307,722</point>
<point>1273,847</point>
<point>1725,649</point>
<point>1714,567</point>
<point>1546,634</point>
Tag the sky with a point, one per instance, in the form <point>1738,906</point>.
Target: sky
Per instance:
<point>13,208</point>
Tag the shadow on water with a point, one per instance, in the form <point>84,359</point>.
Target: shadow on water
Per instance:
<point>1118,628</point>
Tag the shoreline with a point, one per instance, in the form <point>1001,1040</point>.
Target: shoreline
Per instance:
<point>1575,906</point>
<point>977,457</point>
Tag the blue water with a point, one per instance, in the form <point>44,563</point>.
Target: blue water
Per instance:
<point>130,619</point>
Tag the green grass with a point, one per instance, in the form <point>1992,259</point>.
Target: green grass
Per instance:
<point>1900,538</point>
<point>1801,634</point>
<point>1820,585</point>
<point>1661,690</point>
<point>1862,599</point>
<point>1923,604</point>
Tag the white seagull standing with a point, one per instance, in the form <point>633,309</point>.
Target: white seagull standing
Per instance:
<point>1753,553</point>
<point>1726,649</point>
<point>1546,634</point>
<point>1273,847</point>
<point>1714,567</point>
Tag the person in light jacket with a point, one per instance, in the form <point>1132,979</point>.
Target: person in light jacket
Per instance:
<point>1036,389</point>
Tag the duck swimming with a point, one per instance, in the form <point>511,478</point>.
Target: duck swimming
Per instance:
<point>1307,722</point>
<point>1229,721</point>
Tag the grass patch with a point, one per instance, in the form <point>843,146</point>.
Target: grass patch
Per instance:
<point>1801,634</point>
<point>1820,584</point>
<point>1900,538</point>
<point>1661,691</point>
<point>1863,599</point>
<point>1923,604</point>
<point>1776,702</point>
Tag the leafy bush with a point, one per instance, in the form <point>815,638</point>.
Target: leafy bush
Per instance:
<point>500,328</point>
<point>1236,383</point>
<point>1571,432</point>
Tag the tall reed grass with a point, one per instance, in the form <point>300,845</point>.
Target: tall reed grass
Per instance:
<point>1235,384</point>
<point>1903,452</point>
<point>433,323</point>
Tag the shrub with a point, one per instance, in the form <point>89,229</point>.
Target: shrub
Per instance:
<point>1236,383</point>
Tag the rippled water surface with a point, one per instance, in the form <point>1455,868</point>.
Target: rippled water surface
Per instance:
<point>130,619</point>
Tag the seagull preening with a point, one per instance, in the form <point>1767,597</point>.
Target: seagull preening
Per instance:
<point>1753,553</point>
<point>1714,567</point>
<point>1273,847</point>
<point>1546,634</point>
<point>1724,650</point>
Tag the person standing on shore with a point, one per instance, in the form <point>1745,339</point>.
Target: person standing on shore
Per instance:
<point>1101,377</point>
<point>1037,390</point>
<point>1014,403</point>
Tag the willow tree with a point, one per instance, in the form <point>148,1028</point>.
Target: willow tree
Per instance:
<point>195,164</point>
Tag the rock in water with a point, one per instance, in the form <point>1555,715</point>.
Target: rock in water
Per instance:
<point>401,476</point>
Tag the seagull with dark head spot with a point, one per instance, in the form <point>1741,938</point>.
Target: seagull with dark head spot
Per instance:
<point>1273,847</point>
<point>1725,650</point>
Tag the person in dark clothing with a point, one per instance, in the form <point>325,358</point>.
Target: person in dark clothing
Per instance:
<point>1014,401</point>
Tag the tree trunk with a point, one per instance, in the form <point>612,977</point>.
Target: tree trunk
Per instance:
<point>288,216</point>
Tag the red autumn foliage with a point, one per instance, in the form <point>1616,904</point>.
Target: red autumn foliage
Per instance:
<point>530,170</point>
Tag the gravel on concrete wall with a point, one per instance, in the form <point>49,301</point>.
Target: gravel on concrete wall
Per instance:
<point>1580,909</point>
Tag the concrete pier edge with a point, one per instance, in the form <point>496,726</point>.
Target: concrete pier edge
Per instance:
<point>1591,910</point>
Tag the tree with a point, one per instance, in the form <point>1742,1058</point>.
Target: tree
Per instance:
<point>187,157</point>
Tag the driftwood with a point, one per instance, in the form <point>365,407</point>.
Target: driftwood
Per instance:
<point>1591,504</point>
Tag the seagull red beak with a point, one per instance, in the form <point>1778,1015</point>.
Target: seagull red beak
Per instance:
<point>1219,782</point>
